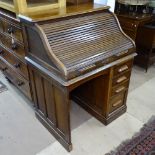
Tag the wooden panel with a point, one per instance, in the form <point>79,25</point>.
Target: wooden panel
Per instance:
<point>16,63</point>
<point>40,94</point>
<point>52,107</point>
<point>62,105</point>
<point>50,102</point>
<point>93,94</point>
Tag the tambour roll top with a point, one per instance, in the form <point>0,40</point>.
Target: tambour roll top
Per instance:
<point>75,45</point>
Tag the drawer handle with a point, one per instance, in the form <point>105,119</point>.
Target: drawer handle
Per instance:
<point>117,103</point>
<point>10,30</point>
<point>123,68</point>
<point>14,46</point>
<point>1,52</point>
<point>4,69</point>
<point>20,83</point>
<point>120,89</point>
<point>17,65</point>
<point>121,79</point>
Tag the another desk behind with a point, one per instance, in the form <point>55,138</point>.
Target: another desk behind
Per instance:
<point>146,45</point>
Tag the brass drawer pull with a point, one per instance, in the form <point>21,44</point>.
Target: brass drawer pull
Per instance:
<point>120,89</point>
<point>121,79</point>
<point>117,103</point>
<point>123,68</point>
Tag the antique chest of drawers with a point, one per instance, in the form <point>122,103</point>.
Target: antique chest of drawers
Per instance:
<point>131,23</point>
<point>12,53</point>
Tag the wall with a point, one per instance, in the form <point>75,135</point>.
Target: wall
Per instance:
<point>110,3</point>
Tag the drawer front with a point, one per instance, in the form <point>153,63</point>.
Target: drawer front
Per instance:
<point>12,45</point>
<point>128,24</point>
<point>121,79</point>
<point>120,88</point>
<point>122,68</point>
<point>16,78</point>
<point>13,30</point>
<point>117,101</point>
<point>16,63</point>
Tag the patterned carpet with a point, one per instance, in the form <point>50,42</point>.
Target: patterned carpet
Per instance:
<point>143,143</point>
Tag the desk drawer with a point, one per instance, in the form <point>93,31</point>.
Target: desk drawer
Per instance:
<point>16,78</point>
<point>120,88</point>
<point>12,45</point>
<point>117,101</point>
<point>16,63</point>
<point>13,30</point>
<point>123,67</point>
<point>128,24</point>
<point>121,79</point>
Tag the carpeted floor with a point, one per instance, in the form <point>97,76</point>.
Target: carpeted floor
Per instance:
<point>142,143</point>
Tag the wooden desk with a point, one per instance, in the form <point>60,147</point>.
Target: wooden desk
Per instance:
<point>81,56</point>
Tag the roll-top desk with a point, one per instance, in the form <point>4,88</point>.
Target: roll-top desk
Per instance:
<point>81,56</point>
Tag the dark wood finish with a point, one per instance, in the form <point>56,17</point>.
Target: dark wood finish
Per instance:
<point>83,57</point>
<point>134,26</point>
<point>12,52</point>
<point>146,45</point>
<point>76,2</point>
<point>131,23</point>
<point>13,76</point>
<point>16,63</point>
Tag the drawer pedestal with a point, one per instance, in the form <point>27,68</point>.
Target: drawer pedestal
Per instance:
<point>12,53</point>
